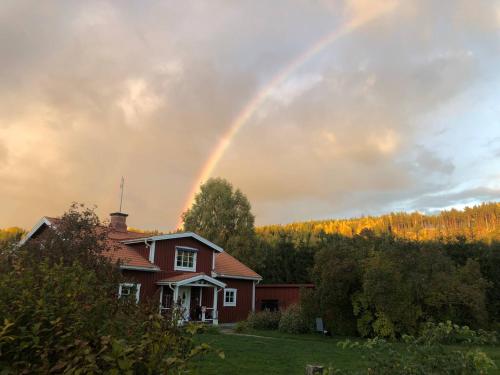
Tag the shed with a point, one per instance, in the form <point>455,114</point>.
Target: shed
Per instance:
<point>278,296</point>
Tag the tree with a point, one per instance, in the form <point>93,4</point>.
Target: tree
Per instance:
<point>222,215</point>
<point>59,311</point>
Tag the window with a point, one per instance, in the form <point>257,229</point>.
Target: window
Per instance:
<point>185,259</point>
<point>229,297</point>
<point>269,305</point>
<point>129,290</point>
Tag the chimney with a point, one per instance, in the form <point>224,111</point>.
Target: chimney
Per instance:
<point>118,221</point>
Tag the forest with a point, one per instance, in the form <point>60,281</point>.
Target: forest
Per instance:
<point>478,223</point>
<point>374,276</point>
<point>385,276</point>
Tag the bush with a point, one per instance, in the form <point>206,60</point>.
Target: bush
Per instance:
<point>241,326</point>
<point>264,320</point>
<point>449,333</point>
<point>293,321</point>
<point>420,358</point>
<point>59,312</point>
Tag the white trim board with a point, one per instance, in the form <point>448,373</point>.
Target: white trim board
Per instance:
<point>215,274</point>
<point>193,279</point>
<point>38,225</point>
<point>138,268</point>
<point>178,235</point>
<point>188,250</point>
<point>131,285</point>
<point>152,249</point>
<point>230,304</point>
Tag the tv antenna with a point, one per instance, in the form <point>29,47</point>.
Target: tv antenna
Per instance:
<point>122,184</point>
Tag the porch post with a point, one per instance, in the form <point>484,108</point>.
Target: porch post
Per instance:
<point>161,297</point>
<point>176,294</point>
<point>176,309</point>
<point>253,296</point>
<point>215,314</point>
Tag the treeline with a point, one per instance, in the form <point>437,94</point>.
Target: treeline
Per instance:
<point>387,282</point>
<point>478,223</point>
<point>11,234</point>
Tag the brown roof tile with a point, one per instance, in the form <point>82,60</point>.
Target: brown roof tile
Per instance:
<point>227,265</point>
<point>181,276</point>
<point>118,251</point>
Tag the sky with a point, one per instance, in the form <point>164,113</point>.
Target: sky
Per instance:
<point>400,112</point>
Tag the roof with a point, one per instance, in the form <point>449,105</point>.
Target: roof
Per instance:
<point>228,266</point>
<point>190,277</point>
<point>180,235</point>
<point>129,258</point>
<point>181,277</point>
<point>285,286</point>
<point>225,265</point>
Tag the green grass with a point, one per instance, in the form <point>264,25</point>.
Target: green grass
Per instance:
<point>278,353</point>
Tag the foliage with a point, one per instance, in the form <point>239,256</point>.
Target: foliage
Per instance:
<point>420,357</point>
<point>59,310</point>
<point>222,215</point>
<point>309,306</point>
<point>337,276</point>
<point>283,353</point>
<point>12,234</point>
<point>478,223</point>
<point>449,333</point>
<point>241,327</point>
<point>264,320</point>
<point>293,320</point>
<point>283,260</point>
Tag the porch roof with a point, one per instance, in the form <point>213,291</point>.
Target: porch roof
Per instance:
<point>187,278</point>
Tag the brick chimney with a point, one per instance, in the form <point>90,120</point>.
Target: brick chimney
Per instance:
<point>118,221</point>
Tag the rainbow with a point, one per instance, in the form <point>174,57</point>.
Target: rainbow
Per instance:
<point>248,111</point>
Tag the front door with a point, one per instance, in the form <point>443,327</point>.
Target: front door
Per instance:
<point>185,299</point>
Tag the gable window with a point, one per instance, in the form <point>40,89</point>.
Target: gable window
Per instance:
<point>185,259</point>
<point>129,290</point>
<point>229,297</point>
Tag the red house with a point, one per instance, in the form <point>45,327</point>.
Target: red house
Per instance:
<point>208,284</point>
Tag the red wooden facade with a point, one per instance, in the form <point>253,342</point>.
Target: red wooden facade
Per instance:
<point>278,296</point>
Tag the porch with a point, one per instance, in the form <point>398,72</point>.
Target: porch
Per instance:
<point>192,297</point>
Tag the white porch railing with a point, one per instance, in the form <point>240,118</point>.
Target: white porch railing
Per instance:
<point>208,314</point>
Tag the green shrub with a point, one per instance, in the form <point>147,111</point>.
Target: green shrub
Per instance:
<point>293,320</point>
<point>420,357</point>
<point>242,326</point>
<point>59,312</point>
<point>449,333</point>
<point>210,329</point>
<point>264,320</point>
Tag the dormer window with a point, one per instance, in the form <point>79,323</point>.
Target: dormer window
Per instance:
<point>185,259</point>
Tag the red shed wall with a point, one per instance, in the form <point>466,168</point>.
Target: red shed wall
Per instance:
<point>286,294</point>
<point>243,306</point>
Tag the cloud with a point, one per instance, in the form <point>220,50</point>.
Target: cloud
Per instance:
<point>293,88</point>
<point>138,102</point>
<point>431,202</point>
<point>3,154</point>
<point>91,91</point>
<point>429,161</point>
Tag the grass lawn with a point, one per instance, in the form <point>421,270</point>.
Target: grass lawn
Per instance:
<point>278,353</point>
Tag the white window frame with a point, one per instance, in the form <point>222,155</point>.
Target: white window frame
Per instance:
<point>195,256</point>
<point>233,290</point>
<point>130,285</point>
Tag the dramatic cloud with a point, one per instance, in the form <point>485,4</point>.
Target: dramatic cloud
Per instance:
<point>398,114</point>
